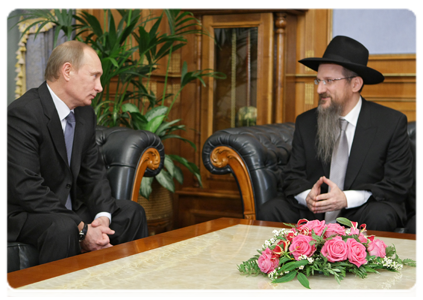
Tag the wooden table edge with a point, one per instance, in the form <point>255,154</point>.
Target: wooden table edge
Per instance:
<point>64,266</point>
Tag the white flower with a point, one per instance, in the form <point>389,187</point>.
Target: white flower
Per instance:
<point>310,260</point>
<point>301,267</point>
<point>271,274</point>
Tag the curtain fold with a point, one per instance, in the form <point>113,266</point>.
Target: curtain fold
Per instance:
<point>32,56</point>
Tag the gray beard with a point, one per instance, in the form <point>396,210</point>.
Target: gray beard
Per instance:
<point>327,130</point>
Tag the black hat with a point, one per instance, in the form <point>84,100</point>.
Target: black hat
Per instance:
<point>349,53</point>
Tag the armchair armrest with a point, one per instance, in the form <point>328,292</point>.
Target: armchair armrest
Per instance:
<point>255,156</point>
<point>129,155</point>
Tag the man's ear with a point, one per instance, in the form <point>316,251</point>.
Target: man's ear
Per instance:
<point>357,83</point>
<point>66,71</point>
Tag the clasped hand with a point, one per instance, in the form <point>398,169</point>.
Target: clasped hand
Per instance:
<point>97,235</point>
<point>321,203</point>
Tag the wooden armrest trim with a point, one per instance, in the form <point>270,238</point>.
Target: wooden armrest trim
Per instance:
<point>150,159</point>
<point>223,156</point>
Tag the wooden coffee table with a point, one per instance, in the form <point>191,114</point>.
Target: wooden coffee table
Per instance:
<point>205,238</point>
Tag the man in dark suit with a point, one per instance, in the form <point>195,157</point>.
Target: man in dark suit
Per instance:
<point>373,184</point>
<point>63,205</point>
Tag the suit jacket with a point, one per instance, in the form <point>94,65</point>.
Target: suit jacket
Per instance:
<point>380,159</point>
<point>39,177</point>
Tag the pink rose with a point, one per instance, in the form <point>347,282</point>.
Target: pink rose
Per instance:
<point>267,262</point>
<point>316,225</point>
<point>335,249</point>
<point>334,229</point>
<point>356,252</point>
<point>377,248</point>
<point>362,238</point>
<point>356,231</point>
<point>301,246</point>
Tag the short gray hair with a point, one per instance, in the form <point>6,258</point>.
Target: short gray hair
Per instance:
<point>71,51</point>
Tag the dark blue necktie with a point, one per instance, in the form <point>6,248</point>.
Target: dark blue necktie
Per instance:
<point>69,133</point>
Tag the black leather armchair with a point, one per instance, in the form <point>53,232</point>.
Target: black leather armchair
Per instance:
<point>128,155</point>
<point>256,156</point>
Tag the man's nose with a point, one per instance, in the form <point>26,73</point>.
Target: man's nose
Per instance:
<point>321,87</point>
<point>98,86</point>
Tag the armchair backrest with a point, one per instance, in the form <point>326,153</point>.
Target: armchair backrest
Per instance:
<point>122,151</point>
<point>265,150</point>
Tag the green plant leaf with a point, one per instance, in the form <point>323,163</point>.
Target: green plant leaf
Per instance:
<point>344,221</point>
<point>303,280</point>
<point>178,175</point>
<point>169,165</point>
<point>166,180</point>
<point>188,165</point>
<point>165,126</point>
<point>146,189</point>
<point>293,265</point>
<point>154,124</point>
<point>131,108</point>
<point>286,277</point>
<point>156,111</point>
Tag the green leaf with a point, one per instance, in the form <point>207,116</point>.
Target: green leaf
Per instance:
<point>178,175</point>
<point>156,111</point>
<point>169,165</point>
<point>409,262</point>
<point>129,107</point>
<point>166,180</point>
<point>293,265</point>
<point>283,260</point>
<point>154,124</point>
<point>286,277</point>
<point>146,189</point>
<point>303,280</point>
<point>344,221</point>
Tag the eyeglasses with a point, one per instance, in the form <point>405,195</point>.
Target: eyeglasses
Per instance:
<point>330,81</point>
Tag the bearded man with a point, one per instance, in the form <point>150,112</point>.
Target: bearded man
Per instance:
<point>350,158</point>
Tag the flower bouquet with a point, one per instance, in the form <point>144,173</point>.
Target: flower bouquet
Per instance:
<point>315,247</point>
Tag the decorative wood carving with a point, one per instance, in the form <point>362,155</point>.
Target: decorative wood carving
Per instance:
<point>151,160</point>
<point>223,156</point>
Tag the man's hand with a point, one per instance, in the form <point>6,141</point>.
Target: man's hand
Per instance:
<point>104,221</point>
<point>311,197</point>
<point>334,200</point>
<point>97,235</point>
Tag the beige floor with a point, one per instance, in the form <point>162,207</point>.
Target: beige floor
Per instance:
<point>210,262</point>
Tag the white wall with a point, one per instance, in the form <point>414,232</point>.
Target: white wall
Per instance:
<point>382,31</point>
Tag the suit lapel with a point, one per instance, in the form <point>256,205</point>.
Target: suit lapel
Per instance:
<point>362,143</point>
<point>54,125</point>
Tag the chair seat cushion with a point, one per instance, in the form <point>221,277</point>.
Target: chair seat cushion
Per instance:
<point>20,256</point>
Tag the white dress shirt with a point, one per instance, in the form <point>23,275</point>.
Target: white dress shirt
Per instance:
<point>354,198</point>
<point>63,111</point>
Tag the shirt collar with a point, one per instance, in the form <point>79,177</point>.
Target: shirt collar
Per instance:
<point>61,107</point>
<point>352,116</point>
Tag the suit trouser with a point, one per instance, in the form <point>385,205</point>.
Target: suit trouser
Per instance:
<point>56,236</point>
<point>376,215</point>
